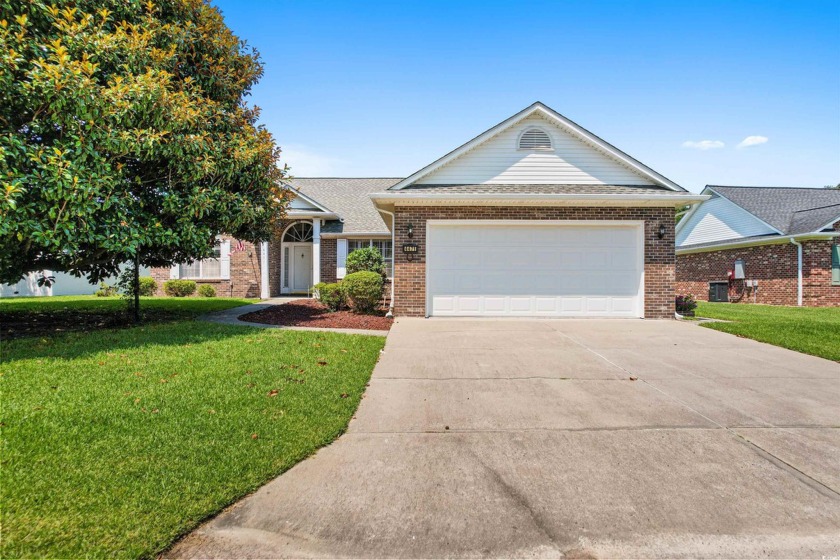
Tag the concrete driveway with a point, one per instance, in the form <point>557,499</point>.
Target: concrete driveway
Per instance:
<point>509,438</point>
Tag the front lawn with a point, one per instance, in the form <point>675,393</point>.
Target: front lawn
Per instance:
<point>117,442</point>
<point>812,330</point>
<point>40,316</point>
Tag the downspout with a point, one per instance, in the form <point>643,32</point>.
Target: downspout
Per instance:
<point>798,271</point>
<point>393,262</point>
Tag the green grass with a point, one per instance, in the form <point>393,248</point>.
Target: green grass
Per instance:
<point>30,316</point>
<point>115,443</point>
<point>812,330</point>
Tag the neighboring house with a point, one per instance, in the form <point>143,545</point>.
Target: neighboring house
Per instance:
<point>534,217</point>
<point>65,285</point>
<point>785,241</point>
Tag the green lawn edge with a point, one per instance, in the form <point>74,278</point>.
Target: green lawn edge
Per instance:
<point>312,408</point>
<point>810,330</point>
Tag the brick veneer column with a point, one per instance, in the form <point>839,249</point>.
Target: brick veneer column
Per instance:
<point>329,250</point>
<point>410,297</point>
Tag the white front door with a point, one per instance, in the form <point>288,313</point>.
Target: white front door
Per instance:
<point>522,268</point>
<point>301,269</point>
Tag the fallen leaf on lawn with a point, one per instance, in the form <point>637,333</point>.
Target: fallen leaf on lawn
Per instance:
<point>633,378</point>
<point>254,436</point>
<point>316,345</point>
<point>322,363</point>
<point>137,400</point>
<point>343,351</point>
<point>162,380</point>
<point>211,411</point>
<point>273,393</point>
<point>249,385</point>
<point>155,411</point>
<point>344,395</point>
<point>101,363</point>
<point>138,374</point>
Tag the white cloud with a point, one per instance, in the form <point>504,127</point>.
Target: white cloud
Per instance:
<point>703,144</point>
<point>306,163</point>
<point>752,141</point>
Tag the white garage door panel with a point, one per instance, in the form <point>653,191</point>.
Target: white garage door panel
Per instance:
<point>522,269</point>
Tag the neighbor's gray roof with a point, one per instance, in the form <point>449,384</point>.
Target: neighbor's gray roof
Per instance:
<point>541,189</point>
<point>350,199</point>
<point>790,210</point>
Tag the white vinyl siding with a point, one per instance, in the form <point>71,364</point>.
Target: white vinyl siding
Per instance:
<point>385,249</point>
<point>500,161</point>
<point>214,268</point>
<point>520,268</point>
<point>718,219</point>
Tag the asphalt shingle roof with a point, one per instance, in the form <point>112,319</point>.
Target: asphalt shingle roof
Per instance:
<point>349,198</point>
<point>789,210</point>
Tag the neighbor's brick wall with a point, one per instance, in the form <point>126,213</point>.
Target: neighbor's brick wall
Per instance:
<point>410,299</point>
<point>817,290</point>
<point>244,273</point>
<point>774,266</point>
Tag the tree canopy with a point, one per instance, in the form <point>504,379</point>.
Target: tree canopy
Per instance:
<point>125,136</point>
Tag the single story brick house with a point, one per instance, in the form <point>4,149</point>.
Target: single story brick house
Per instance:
<point>536,216</point>
<point>770,245</point>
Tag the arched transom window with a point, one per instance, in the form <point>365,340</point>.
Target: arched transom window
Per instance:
<point>299,233</point>
<point>535,139</point>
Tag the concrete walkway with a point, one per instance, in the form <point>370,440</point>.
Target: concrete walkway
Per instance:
<point>231,317</point>
<point>564,438</point>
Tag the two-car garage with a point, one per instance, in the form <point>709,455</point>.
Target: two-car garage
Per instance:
<point>535,268</point>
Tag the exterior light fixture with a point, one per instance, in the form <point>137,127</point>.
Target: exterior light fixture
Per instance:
<point>661,233</point>
<point>410,229</point>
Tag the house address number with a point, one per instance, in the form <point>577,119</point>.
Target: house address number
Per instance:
<point>410,248</point>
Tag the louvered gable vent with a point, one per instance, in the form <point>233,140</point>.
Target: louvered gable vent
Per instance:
<point>535,139</point>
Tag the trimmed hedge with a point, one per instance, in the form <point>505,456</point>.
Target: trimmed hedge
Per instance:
<point>365,259</point>
<point>331,295</point>
<point>364,289</point>
<point>148,286</point>
<point>179,288</point>
<point>206,290</point>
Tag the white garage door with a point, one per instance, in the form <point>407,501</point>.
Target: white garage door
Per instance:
<point>521,268</point>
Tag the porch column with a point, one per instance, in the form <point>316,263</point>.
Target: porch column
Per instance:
<point>264,291</point>
<point>316,251</point>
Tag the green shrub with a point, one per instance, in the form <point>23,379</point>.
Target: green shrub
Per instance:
<point>364,289</point>
<point>331,295</point>
<point>368,259</point>
<point>206,290</point>
<point>105,290</point>
<point>148,286</point>
<point>179,288</point>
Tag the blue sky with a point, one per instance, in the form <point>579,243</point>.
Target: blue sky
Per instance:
<point>384,88</point>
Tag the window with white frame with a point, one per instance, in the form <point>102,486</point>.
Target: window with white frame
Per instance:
<point>210,268</point>
<point>384,246</point>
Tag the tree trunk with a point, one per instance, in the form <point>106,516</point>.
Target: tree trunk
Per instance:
<point>136,289</point>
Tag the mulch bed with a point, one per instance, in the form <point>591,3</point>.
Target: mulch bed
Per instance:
<point>312,313</point>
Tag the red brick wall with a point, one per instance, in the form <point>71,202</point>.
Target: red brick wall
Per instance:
<point>329,250</point>
<point>775,268</point>
<point>410,299</point>
<point>244,274</point>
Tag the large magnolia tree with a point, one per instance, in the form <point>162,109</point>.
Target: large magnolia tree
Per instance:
<point>125,136</point>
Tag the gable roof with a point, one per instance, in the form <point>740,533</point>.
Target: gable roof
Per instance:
<point>572,128</point>
<point>347,197</point>
<point>789,210</point>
